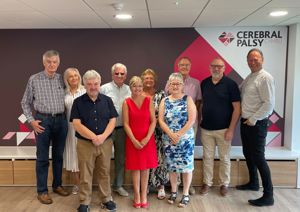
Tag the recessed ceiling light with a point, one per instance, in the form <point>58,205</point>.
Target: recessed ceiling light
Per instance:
<point>278,13</point>
<point>123,16</point>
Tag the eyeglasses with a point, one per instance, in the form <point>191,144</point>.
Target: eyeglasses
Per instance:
<point>175,84</point>
<point>182,65</point>
<point>118,74</point>
<point>216,66</point>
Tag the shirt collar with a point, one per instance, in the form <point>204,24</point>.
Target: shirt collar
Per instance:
<point>114,84</point>
<point>87,98</point>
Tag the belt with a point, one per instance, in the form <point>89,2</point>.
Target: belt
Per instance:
<point>118,127</point>
<point>50,115</point>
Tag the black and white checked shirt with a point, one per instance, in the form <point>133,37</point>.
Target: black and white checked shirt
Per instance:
<point>45,93</point>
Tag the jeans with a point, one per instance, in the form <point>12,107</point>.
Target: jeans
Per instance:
<point>254,141</point>
<point>56,131</point>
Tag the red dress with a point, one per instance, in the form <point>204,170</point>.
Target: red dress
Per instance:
<point>139,122</point>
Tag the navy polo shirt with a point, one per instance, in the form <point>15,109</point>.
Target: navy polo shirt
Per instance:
<point>94,115</point>
<point>217,102</point>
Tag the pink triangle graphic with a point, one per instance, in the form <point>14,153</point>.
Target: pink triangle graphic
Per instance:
<point>276,142</point>
<point>31,136</point>
<point>23,128</point>
<point>273,128</point>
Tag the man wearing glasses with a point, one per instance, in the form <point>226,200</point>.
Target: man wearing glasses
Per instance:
<point>118,92</point>
<point>220,114</point>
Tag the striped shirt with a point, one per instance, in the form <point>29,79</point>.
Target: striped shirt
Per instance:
<point>46,95</point>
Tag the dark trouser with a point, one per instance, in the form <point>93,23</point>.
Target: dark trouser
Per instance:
<point>56,131</point>
<point>254,141</point>
<point>119,137</point>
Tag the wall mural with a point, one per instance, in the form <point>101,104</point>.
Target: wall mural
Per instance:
<point>138,49</point>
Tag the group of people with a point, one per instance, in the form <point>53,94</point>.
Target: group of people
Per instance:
<point>152,132</point>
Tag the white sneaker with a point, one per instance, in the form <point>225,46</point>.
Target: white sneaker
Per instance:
<point>121,191</point>
<point>75,189</point>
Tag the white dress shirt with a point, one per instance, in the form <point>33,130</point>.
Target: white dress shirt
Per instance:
<point>118,95</point>
<point>258,96</point>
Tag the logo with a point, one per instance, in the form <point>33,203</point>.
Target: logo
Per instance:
<point>226,38</point>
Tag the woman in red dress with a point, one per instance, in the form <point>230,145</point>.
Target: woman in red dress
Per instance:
<point>140,154</point>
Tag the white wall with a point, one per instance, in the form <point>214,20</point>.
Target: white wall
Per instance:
<point>292,107</point>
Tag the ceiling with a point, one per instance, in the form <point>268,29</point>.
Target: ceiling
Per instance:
<point>37,14</point>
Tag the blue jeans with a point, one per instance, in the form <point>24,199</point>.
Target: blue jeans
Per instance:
<point>56,131</point>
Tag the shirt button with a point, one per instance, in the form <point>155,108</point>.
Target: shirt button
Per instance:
<point>96,128</point>
<point>95,111</point>
<point>95,119</point>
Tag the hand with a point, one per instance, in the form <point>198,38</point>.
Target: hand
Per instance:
<point>228,135</point>
<point>137,144</point>
<point>248,123</point>
<point>38,129</point>
<point>175,137</point>
<point>98,140</point>
<point>144,141</point>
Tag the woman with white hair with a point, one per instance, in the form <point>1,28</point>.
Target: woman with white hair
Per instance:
<point>74,89</point>
<point>177,114</point>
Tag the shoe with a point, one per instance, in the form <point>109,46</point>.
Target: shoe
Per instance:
<point>204,189</point>
<point>44,198</point>
<point>263,201</point>
<point>172,197</point>
<point>121,191</point>
<point>75,190</point>
<point>223,190</point>
<point>61,191</point>
<point>136,205</point>
<point>184,201</point>
<point>83,208</point>
<point>161,194</point>
<point>248,186</point>
<point>145,205</point>
<point>192,190</point>
<point>109,206</point>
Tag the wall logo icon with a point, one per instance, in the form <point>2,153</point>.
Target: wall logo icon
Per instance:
<point>226,38</point>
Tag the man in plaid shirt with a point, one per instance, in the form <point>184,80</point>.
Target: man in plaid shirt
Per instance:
<point>45,93</point>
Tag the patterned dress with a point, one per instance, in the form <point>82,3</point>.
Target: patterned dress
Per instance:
<point>180,157</point>
<point>158,176</point>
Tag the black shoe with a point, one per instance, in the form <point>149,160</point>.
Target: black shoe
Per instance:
<point>248,186</point>
<point>109,206</point>
<point>263,201</point>
<point>83,208</point>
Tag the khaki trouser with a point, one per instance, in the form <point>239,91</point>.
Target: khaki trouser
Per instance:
<point>94,158</point>
<point>210,139</point>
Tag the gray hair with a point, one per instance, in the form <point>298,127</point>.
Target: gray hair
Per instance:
<point>175,76</point>
<point>50,53</point>
<point>118,65</point>
<point>66,76</point>
<point>91,74</point>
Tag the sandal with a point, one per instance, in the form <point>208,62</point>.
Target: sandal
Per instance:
<point>161,194</point>
<point>184,201</point>
<point>172,197</point>
<point>136,205</point>
<point>145,205</point>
